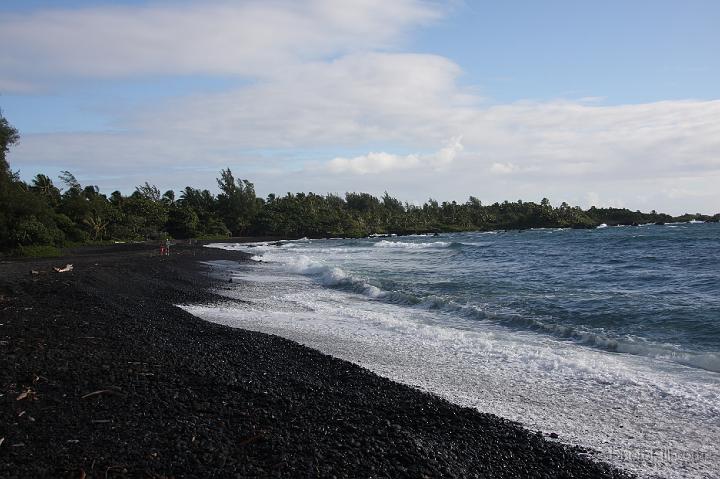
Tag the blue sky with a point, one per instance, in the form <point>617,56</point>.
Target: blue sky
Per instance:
<point>607,103</point>
<point>624,51</point>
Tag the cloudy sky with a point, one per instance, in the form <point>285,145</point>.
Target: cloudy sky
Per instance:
<point>612,103</point>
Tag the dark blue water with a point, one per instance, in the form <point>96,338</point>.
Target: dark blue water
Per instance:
<point>649,290</point>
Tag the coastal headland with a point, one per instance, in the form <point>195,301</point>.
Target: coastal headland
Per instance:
<point>101,375</point>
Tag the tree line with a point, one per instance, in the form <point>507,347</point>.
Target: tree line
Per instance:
<point>42,215</point>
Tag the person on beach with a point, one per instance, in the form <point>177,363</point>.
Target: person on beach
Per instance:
<point>165,248</point>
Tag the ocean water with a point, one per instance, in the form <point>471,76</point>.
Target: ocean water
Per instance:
<point>609,338</point>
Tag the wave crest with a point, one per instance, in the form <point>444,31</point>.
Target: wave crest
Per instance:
<point>408,245</point>
<point>334,277</point>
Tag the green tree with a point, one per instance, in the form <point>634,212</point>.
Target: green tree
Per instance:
<point>237,204</point>
<point>25,217</point>
<point>8,137</point>
<point>144,216</point>
<point>183,222</point>
<point>43,186</point>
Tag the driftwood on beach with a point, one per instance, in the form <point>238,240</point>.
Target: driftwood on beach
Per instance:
<point>68,267</point>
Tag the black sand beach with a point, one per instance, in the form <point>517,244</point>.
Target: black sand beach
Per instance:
<point>101,376</point>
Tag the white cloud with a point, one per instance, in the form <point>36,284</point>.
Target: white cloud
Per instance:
<point>381,162</point>
<point>373,163</point>
<point>252,38</point>
<point>346,102</point>
<point>445,156</point>
<point>503,168</point>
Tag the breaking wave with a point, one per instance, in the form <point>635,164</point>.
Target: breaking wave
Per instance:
<point>335,277</point>
<point>407,245</point>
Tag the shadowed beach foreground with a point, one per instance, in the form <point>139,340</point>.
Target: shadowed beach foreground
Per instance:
<point>101,376</point>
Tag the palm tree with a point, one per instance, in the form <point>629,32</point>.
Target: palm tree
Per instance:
<point>97,225</point>
<point>42,184</point>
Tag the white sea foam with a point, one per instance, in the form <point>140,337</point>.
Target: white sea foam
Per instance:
<point>645,411</point>
<point>407,245</point>
<point>335,277</point>
<point>613,403</point>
